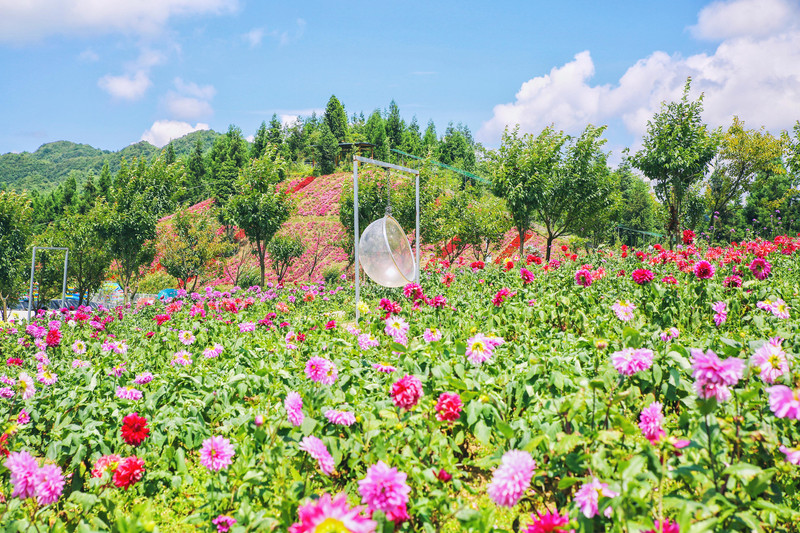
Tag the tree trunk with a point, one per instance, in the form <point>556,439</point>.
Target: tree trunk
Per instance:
<point>522,232</point>
<point>5,309</point>
<point>550,240</point>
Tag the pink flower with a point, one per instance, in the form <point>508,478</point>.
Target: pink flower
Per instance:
<point>526,275</point>
<point>512,478</point>
<point>784,402</point>
<point>760,268</point>
<point>548,522</point>
<point>479,350</point>
<point>79,347</point>
<point>669,280</point>
<point>317,449</point>
<point>385,489</point>
<point>432,335</point>
<point>216,453</point>
<point>792,455</point>
<point>387,369</point>
<point>223,523</point>
<point>407,391</point>
<point>650,421</point>
<point>246,327</point>
<point>583,277</point>
<point>294,408</point>
<point>664,527</point>
<point>771,361</point>
<point>320,370</point>
<point>713,376</point>
<point>631,361</point>
<point>342,418</point>
<point>396,327</point>
<point>501,295</point>
<point>129,393</point>
<point>588,497</point>
<point>720,308</point>
<point>367,341</point>
<point>49,483</point>
<point>624,310</point>
<point>23,469</point>
<point>704,270</point>
<point>26,386</point>
<point>186,337</point>
<point>106,463</point>
<point>334,512</point>
<point>642,276</point>
<point>449,406</point>
<point>143,378</point>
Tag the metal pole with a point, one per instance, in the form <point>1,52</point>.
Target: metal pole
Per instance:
<point>355,233</point>
<point>64,285</point>
<point>417,231</point>
<point>30,291</point>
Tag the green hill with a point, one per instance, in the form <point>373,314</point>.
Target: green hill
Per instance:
<point>44,169</point>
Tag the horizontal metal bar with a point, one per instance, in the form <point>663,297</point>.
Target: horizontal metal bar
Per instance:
<point>48,248</point>
<point>384,164</point>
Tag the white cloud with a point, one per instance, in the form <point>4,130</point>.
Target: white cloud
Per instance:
<point>33,20</point>
<point>254,36</point>
<point>127,86</point>
<point>750,18</point>
<point>162,131</point>
<point>89,56</point>
<point>754,76</point>
<point>190,101</point>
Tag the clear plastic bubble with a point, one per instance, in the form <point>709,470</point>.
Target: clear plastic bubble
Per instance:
<point>385,253</point>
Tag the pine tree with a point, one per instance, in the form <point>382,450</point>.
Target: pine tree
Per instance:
<point>259,141</point>
<point>412,140</point>
<point>105,181</point>
<point>196,172</point>
<point>275,131</point>
<point>327,151</point>
<point>394,126</point>
<point>429,140</point>
<point>375,130</point>
<point>170,154</point>
<point>336,119</point>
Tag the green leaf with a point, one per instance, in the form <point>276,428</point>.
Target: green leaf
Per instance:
<point>482,432</point>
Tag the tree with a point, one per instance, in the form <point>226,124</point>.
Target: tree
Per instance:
<point>15,225</point>
<point>412,141</point>
<point>129,228</point>
<point>485,221</point>
<point>191,245</point>
<point>169,154</point>
<point>105,182</point>
<point>228,154</point>
<point>335,118</point>
<point>327,151</point>
<point>430,141</point>
<point>257,207</point>
<point>520,167</point>
<point>282,251</point>
<point>275,133</point>
<point>677,150</point>
<point>375,129</point>
<point>456,148</point>
<point>260,141</point>
<point>636,209</point>
<point>395,127</point>
<point>196,172</point>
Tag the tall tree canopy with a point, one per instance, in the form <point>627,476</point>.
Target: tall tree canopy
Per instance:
<point>336,119</point>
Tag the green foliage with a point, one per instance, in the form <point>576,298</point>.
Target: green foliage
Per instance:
<point>335,118</point>
<point>375,131</point>
<point>15,220</point>
<point>282,251</point>
<point>326,152</point>
<point>154,282</point>
<point>331,275</point>
<point>636,208</point>
<point>677,150</point>
<point>395,126</point>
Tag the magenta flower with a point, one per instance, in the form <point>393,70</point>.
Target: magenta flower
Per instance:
<point>714,376</point>
<point>650,422</point>
<point>186,337</point>
<point>386,369</point>
<point>721,310</point>
<point>342,418</point>
<point>407,391</point>
<point>320,370</point>
<point>216,453</point>
<point>396,327</point>
<point>448,407</point>
<point>49,483</point>
<point>294,408</point>
<point>367,341</point>
<point>479,349</point>
<point>316,515</point>
<point>548,522</point>
<point>80,363</point>
<point>143,378</point>
<point>664,526</point>
<point>79,347</point>
<point>771,361</point>
<point>385,489</point>
<point>704,270</point>
<point>760,268</point>
<point>181,358</point>
<point>624,310</point>
<point>526,275</point>
<point>223,523</point>
<point>583,277</point>
<point>784,402</point>
<point>588,498</point>
<point>246,327</point>
<point>792,455</point>
<point>432,335</point>
<point>512,478</point>
<point>23,469</point>
<point>630,361</point>
<point>642,276</point>
<point>129,393</point>
<point>317,450</point>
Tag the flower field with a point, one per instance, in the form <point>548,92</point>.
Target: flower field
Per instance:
<point>625,390</point>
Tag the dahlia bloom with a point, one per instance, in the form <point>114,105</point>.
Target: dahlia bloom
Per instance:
<point>780,309</point>
<point>664,526</point>
<point>321,370</point>
<point>186,337</point>
<point>629,361</point>
<point>548,522</point>
<point>26,386</point>
<point>129,472</point>
<point>223,523</point>
<point>792,455</point>
<point>407,391</point>
<point>49,482</point>
<point>432,335</point>
<point>771,361</point>
<point>512,478</point>
<point>367,341</point>
<point>501,295</point>
<point>134,429</point>
<point>448,407</point>
<point>386,369</point>
<point>413,291</point>
<point>784,402</point>
<point>106,463</point>
<point>182,358</point>
<point>317,450</point>
<point>23,469</point>
<point>714,376</point>
<point>721,312</point>
<point>479,349</point>
<point>216,453</point>
<point>760,268</point>
<point>732,281</point>
<point>583,277</point>
<point>143,378</point>
<point>246,327</point>
<point>333,513</point>
<point>650,422</point>
<point>704,270</point>
<point>669,280</point>
<point>588,498</point>
<point>53,338</point>
<point>79,347</point>
<point>624,310</point>
<point>396,327</point>
<point>671,333</point>
<point>526,275</point>
<point>385,489</point>
<point>342,418</point>
<point>294,408</point>
<point>642,276</point>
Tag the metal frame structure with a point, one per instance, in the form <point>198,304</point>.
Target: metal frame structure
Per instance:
<point>33,268</point>
<point>356,233</point>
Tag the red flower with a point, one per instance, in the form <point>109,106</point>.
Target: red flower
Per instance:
<point>14,361</point>
<point>129,471</point>
<point>642,276</point>
<point>160,319</point>
<point>509,265</point>
<point>331,324</point>
<point>448,278</point>
<point>449,406</point>
<point>443,476</point>
<point>527,275</point>
<point>53,338</point>
<point>564,247</point>
<point>406,391</point>
<point>301,337</point>
<point>134,429</point>
<point>688,236</point>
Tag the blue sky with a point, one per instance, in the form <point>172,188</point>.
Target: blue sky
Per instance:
<point>112,73</point>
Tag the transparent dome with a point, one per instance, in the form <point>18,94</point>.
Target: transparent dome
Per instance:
<point>385,254</point>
